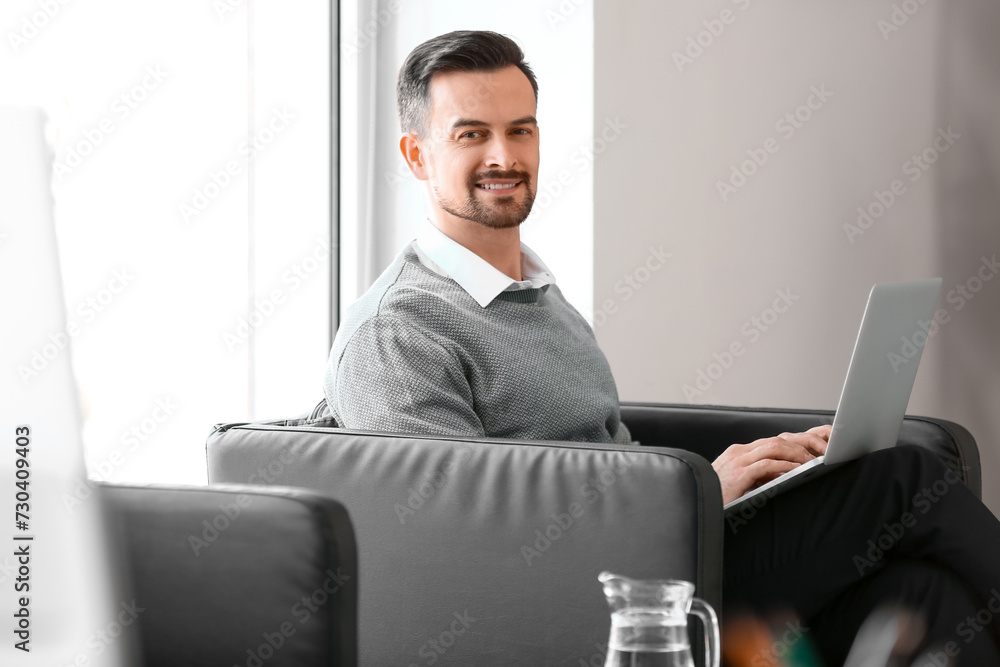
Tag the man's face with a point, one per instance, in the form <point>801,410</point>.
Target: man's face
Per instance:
<point>481,148</point>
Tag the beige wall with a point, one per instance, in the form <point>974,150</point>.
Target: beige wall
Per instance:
<point>878,96</point>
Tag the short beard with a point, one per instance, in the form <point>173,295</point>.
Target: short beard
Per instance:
<point>504,214</point>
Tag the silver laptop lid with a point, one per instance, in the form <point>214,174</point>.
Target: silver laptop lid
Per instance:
<point>894,331</point>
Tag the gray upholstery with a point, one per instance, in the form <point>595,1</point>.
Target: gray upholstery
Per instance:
<point>461,549</point>
<point>220,593</point>
<point>709,429</point>
<point>486,552</point>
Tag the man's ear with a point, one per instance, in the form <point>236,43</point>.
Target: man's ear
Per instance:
<point>409,146</point>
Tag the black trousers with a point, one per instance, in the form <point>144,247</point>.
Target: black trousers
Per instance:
<point>896,527</point>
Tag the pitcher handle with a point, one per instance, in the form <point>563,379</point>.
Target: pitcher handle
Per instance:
<point>710,621</point>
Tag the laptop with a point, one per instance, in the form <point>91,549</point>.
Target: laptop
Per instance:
<point>894,331</point>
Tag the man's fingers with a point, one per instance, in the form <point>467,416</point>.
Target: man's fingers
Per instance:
<point>778,449</point>
<point>765,470</point>
<point>743,467</point>
<point>823,431</point>
<point>813,442</point>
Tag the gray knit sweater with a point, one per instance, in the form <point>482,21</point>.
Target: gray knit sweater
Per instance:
<point>417,354</point>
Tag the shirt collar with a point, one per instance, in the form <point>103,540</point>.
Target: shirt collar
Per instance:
<point>474,274</point>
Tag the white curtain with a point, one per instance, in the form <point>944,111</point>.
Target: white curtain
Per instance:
<point>361,28</point>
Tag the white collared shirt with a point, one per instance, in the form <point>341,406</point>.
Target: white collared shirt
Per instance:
<point>474,274</point>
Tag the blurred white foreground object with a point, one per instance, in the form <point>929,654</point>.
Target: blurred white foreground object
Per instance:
<point>61,595</point>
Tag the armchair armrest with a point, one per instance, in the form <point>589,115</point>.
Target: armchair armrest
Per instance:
<point>493,545</point>
<point>221,574</point>
<point>709,429</point>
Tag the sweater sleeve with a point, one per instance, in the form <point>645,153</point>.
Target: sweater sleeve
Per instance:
<point>394,378</point>
<point>624,436</point>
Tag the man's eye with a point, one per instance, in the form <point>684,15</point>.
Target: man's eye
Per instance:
<point>522,131</point>
<point>471,135</point>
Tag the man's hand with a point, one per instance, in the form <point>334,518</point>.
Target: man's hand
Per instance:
<point>744,467</point>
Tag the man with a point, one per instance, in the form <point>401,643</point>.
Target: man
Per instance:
<point>467,333</point>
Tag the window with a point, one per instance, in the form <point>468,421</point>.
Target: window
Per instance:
<point>193,214</point>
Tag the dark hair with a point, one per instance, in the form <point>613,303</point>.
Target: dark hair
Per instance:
<point>459,51</point>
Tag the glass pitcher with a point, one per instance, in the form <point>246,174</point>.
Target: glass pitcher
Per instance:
<point>649,623</point>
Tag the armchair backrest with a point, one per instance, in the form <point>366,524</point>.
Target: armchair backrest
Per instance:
<point>238,575</point>
<point>487,551</point>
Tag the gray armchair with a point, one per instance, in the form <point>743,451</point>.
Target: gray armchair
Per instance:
<point>486,551</point>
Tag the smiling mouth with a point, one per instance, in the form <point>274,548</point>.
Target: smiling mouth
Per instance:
<point>498,187</point>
